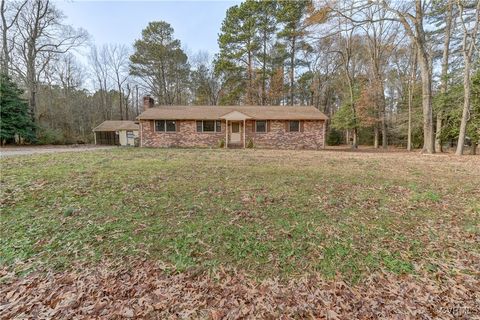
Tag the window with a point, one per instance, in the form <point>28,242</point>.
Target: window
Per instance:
<point>171,126</point>
<point>261,126</point>
<point>209,126</point>
<point>294,126</point>
<point>165,125</point>
<point>160,125</point>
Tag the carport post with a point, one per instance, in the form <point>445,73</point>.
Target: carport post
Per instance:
<point>95,137</point>
<point>226,134</point>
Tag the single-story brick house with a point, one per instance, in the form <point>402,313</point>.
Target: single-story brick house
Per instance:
<point>113,132</point>
<point>282,127</point>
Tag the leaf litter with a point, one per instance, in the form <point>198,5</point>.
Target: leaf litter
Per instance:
<point>144,290</point>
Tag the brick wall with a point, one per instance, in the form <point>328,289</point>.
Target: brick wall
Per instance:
<point>186,136</point>
<point>277,136</point>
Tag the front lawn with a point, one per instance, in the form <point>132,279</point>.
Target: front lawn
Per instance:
<point>267,213</point>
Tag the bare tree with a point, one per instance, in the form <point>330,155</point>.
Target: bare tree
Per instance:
<point>411,85</point>
<point>349,49</point>
<point>118,63</point>
<point>469,45</point>
<point>449,22</point>
<point>42,36</point>
<point>9,15</point>
<point>98,62</point>
<point>412,19</point>
<point>381,34</point>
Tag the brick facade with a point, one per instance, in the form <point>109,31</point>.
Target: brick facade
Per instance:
<point>186,136</point>
<point>277,137</point>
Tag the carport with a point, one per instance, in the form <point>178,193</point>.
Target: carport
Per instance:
<point>119,133</point>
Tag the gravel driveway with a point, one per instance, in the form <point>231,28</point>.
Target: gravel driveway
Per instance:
<point>29,150</point>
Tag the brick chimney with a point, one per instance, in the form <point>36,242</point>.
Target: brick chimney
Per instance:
<point>148,102</point>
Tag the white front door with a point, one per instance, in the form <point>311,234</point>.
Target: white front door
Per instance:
<point>235,132</point>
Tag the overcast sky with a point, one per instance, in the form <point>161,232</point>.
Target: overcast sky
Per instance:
<point>196,23</point>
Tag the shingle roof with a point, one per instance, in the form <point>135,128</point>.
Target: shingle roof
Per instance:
<point>216,112</point>
<point>113,125</point>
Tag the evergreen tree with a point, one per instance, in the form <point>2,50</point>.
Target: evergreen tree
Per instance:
<point>161,63</point>
<point>239,44</point>
<point>15,120</point>
<point>473,129</point>
<point>291,14</point>
<point>245,42</point>
<point>267,27</point>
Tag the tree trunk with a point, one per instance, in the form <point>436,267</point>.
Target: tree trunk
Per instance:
<point>5,59</point>
<point>409,132</point>
<point>418,37</point>
<point>473,151</point>
<point>428,132</point>
<point>5,53</point>
<point>352,103</point>
<point>32,88</point>
<point>384,118</point>
<point>292,71</point>
<point>264,68</point>
<point>466,107</point>
<point>355,138</point>
<point>375,137</point>
<point>120,102</point>
<point>468,50</point>
<point>250,79</point>
<point>438,133</point>
<point>411,85</point>
<point>444,74</point>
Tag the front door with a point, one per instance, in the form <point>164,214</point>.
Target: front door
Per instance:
<point>235,132</point>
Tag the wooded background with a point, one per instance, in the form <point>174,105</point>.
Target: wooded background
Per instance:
<point>403,73</point>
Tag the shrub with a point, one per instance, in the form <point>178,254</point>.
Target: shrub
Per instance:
<point>334,137</point>
<point>50,136</point>
<point>221,143</point>
<point>250,143</point>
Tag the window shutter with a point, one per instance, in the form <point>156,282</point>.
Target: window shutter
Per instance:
<point>152,126</point>
<point>287,126</point>
<point>254,126</point>
<point>177,125</point>
<point>268,125</point>
<point>301,126</point>
<point>199,126</point>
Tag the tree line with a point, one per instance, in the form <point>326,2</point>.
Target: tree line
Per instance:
<point>400,73</point>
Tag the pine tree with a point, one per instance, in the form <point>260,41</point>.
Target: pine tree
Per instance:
<point>15,120</point>
<point>291,14</point>
<point>239,43</point>
<point>267,27</point>
<point>161,62</point>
